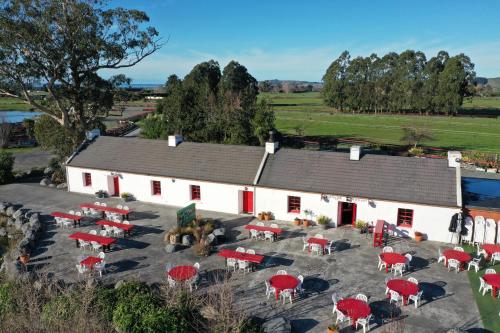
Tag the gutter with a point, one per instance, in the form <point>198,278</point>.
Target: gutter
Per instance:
<point>261,167</point>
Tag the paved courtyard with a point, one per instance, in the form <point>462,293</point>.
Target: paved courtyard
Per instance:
<point>448,301</point>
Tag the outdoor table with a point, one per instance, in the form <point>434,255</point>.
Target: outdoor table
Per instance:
<point>462,257</point>
<point>490,249</point>
<point>282,282</point>
<point>392,258</point>
<point>123,212</point>
<point>76,218</point>
<point>253,258</point>
<point>494,281</point>
<point>404,287</point>
<point>104,241</point>
<point>275,231</point>
<point>354,309</point>
<point>182,273</point>
<point>320,241</point>
<point>125,227</point>
<point>90,261</point>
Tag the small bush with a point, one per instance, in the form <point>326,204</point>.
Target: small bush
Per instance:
<point>59,310</point>
<point>139,314</point>
<point>105,302</point>
<point>6,165</point>
<point>6,299</point>
<point>131,289</point>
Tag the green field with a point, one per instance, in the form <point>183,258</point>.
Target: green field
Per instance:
<point>15,104</point>
<point>305,111</point>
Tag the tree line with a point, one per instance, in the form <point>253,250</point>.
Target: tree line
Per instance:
<point>399,83</point>
<point>212,106</point>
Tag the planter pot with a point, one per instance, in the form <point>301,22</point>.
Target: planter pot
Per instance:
<point>306,223</point>
<point>175,239</point>
<point>296,222</point>
<point>324,226</point>
<point>24,259</point>
<point>127,199</point>
<point>260,216</point>
<point>419,237</point>
<point>267,217</point>
<point>332,331</point>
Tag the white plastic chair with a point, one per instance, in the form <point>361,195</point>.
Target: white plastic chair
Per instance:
<point>413,280</point>
<point>93,232</point>
<point>341,318</point>
<point>381,263</point>
<point>231,262</point>
<point>171,282</point>
<point>197,266</point>
<point>240,249</point>
<point>408,260</point>
<point>476,263</point>
<point>78,213</point>
<point>395,297</point>
<point>441,257</point>
<point>119,206</point>
<point>316,249</point>
<point>244,266</point>
<point>299,288</point>
<point>93,212</point>
<point>100,267</point>
<point>97,203</point>
<point>58,221</point>
<point>387,249</point>
<point>96,246</point>
<point>398,268</point>
<point>126,222</point>
<point>274,225</point>
<point>67,223</point>
<point>329,247</point>
<point>281,272</point>
<point>335,300</point>
<point>387,279</point>
<point>364,322</point>
<point>484,286</point>
<point>453,264</point>
<point>286,293</point>
<point>126,208</point>
<point>118,232</point>
<point>103,204</point>
<point>104,233</point>
<point>102,255</point>
<point>86,211</point>
<point>269,289</point>
<point>362,297</point>
<point>260,224</point>
<point>416,298</point>
<point>82,270</point>
<point>495,257</point>
<point>318,236</point>
<point>459,248</point>
<point>71,212</point>
<point>269,235</point>
<point>255,234</point>
<point>250,251</point>
<point>84,244</point>
<point>305,244</point>
<point>490,271</point>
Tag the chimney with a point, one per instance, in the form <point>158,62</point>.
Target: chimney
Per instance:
<point>91,135</point>
<point>174,140</point>
<point>271,146</point>
<point>355,153</point>
<point>454,158</point>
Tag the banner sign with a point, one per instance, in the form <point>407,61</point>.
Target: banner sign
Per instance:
<point>186,215</point>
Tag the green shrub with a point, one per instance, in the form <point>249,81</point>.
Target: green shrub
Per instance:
<point>59,309</point>
<point>6,299</point>
<point>162,320</point>
<point>129,314</point>
<point>105,301</point>
<point>6,165</point>
<point>131,289</point>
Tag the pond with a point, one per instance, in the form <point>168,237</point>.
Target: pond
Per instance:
<point>481,192</point>
<point>17,116</point>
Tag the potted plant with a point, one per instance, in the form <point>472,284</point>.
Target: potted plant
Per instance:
<point>127,196</point>
<point>323,221</point>
<point>260,216</point>
<point>333,328</point>
<point>309,213</point>
<point>268,216</point>
<point>361,226</point>
<point>101,194</point>
<point>24,259</point>
<point>419,236</point>
<point>297,221</point>
<point>306,223</point>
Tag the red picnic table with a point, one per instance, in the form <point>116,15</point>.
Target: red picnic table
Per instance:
<point>253,258</point>
<point>319,241</point>
<point>490,249</point>
<point>125,227</point>
<point>404,287</point>
<point>392,258</point>
<point>461,256</point>
<point>261,228</point>
<point>282,282</point>
<point>494,281</point>
<point>104,241</point>
<point>76,218</point>
<point>90,261</point>
<point>182,273</point>
<point>354,309</point>
<point>123,212</point>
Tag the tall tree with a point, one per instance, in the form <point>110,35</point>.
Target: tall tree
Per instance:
<point>66,44</point>
<point>335,82</point>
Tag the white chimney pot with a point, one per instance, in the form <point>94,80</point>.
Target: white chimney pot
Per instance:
<point>174,140</point>
<point>355,153</point>
<point>454,158</point>
<point>272,147</point>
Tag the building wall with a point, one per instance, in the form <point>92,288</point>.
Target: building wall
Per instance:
<point>430,220</point>
<point>175,192</point>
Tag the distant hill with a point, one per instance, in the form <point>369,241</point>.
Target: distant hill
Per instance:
<point>289,86</point>
<point>493,83</point>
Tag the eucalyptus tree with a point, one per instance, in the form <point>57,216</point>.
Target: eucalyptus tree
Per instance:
<point>334,82</point>
<point>66,45</point>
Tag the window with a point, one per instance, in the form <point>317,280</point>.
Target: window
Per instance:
<point>156,185</point>
<point>195,192</point>
<point>405,217</point>
<point>293,204</point>
<point>87,179</point>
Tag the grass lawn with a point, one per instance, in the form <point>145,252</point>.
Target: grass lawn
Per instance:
<point>20,149</point>
<point>307,112</point>
<point>482,102</point>
<point>488,306</point>
<point>13,104</point>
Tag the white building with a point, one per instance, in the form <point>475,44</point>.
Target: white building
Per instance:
<point>413,194</point>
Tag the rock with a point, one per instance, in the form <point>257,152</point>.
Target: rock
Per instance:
<point>220,234</point>
<point>30,235</point>
<point>37,285</point>
<point>212,239</point>
<point>4,206</point>
<point>45,182</point>
<point>62,186</point>
<point>456,330</point>
<point>3,232</point>
<point>277,325</point>
<point>119,284</point>
<point>48,170</point>
<point>18,223</point>
<point>18,213</point>
<point>28,214</point>
<point>170,248</point>
<point>187,240</point>
<point>24,246</point>
<point>35,226</point>
<point>10,222</point>
<point>15,253</point>
<point>52,185</point>
<point>92,282</point>
<point>34,218</point>
<point>25,227</point>
<point>10,210</point>
<point>13,269</point>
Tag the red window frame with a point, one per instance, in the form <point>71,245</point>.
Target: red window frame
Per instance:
<point>156,187</point>
<point>195,192</point>
<point>87,179</point>
<point>405,217</point>
<point>293,204</point>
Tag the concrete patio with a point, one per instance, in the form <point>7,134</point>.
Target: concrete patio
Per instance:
<point>448,301</point>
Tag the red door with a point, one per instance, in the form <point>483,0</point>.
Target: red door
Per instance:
<point>116,183</point>
<point>247,201</point>
<point>354,210</point>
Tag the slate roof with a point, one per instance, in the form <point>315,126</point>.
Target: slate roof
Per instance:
<point>200,161</point>
<point>403,179</point>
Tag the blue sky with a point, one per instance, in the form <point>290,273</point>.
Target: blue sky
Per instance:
<point>288,39</point>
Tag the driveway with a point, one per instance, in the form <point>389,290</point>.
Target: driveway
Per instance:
<point>351,269</point>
